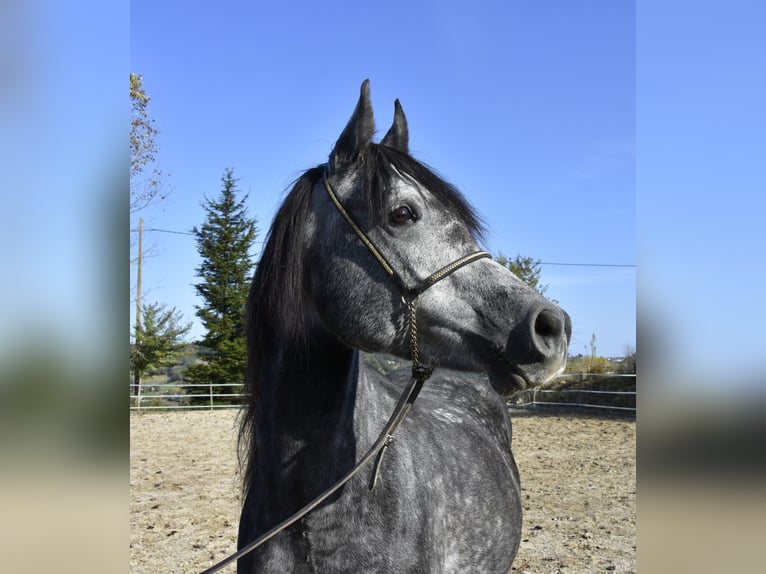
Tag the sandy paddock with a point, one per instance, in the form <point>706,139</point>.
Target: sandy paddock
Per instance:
<point>577,472</point>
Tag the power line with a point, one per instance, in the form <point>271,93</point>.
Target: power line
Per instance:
<point>590,264</point>
<point>181,233</point>
<point>165,231</point>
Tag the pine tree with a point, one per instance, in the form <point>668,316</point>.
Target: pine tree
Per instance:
<point>159,342</point>
<point>224,242</point>
<point>525,268</point>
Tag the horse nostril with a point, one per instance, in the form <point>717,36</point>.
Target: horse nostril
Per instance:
<point>548,324</point>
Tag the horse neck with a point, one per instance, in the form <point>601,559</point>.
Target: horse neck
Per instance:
<point>305,426</point>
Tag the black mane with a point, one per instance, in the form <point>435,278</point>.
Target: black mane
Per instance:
<point>276,313</point>
<point>376,165</point>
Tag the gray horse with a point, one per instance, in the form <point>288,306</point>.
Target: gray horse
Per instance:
<point>447,497</point>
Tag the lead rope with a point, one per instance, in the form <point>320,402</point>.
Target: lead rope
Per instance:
<point>420,375</point>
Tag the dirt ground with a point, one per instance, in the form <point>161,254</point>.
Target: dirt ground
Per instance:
<point>577,474</point>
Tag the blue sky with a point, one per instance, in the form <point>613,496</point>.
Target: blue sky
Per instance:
<point>529,108</point>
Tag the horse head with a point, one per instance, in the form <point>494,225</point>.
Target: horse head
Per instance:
<point>481,317</point>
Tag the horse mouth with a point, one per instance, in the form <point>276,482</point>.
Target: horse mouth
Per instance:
<point>505,377</point>
<point>507,381</point>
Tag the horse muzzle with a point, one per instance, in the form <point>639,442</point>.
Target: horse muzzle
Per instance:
<point>535,351</point>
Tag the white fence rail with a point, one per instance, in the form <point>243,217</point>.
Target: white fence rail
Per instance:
<point>536,396</point>
<point>153,396</point>
<point>171,396</point>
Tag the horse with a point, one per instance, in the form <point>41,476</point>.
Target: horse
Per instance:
<point>335,279</point>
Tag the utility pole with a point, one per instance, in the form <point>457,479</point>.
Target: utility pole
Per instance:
<point>137,343</point>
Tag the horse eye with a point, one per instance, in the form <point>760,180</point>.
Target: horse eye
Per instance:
<point>401,215</point>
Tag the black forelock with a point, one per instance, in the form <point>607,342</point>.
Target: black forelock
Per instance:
<point>377,166</point>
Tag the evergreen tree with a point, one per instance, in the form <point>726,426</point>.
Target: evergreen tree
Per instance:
<point>224,242</point>
<point>159,343</point>
<point>526,269</point>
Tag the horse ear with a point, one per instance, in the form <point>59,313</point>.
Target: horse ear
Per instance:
<point>356,135</point>
<point>398,136</point>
